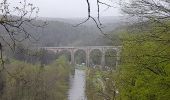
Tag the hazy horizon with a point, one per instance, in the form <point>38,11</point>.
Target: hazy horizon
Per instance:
<point>78,17</point>
<point>70,8</point>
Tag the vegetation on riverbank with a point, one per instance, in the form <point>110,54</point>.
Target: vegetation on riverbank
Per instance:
<point>144,73</point>
<point>144,70</point>
<point>24,81</point>
<point>100,85</point>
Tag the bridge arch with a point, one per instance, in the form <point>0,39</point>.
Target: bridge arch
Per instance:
<point>87,50</point>
<point>79,56</point>
<point>111,58</point>
<point>66,53</point>
<point>95,57</point>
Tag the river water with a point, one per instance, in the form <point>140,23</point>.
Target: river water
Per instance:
<point>77,87</point>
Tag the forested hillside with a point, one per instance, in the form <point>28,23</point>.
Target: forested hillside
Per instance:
<point>61,32</point>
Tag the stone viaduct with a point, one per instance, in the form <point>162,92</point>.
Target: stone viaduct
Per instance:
<point>88,50</point>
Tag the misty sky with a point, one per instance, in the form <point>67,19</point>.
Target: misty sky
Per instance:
<point>70,8</point>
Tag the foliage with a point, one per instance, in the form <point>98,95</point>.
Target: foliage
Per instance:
<point>33,56</point>
<point>95,57</point>
<point>25,81</point>
<point>111,58</point>
<point>80,57</point>
<point>144,73</point>
<point>14,19</point>
<point>100,85</point>
<point>64,53</point>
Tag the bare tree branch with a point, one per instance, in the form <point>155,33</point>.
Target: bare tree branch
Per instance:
<point>97,22</point>
<point>14,25</point>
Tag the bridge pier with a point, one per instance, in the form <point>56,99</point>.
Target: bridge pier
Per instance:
<point>88,57</point>
<point>72,57</point>
<point>117,57</point>
<point>103,59</point>
<point>87,49</point>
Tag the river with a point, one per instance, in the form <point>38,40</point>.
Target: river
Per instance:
<point>77,86</point>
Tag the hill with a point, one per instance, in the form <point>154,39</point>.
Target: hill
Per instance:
<point>61,32</point>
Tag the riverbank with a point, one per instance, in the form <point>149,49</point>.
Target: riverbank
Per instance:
<point>100,84</point>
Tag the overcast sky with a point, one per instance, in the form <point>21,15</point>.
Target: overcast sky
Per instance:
<point>70,8</point>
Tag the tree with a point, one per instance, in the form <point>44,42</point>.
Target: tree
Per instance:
<point>14,20</point>
<point>97,21</point>
<point>145,64</point>
<point>156,26</point>
<point>157,9</point>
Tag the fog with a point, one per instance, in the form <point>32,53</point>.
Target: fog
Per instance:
<point>70,8</point>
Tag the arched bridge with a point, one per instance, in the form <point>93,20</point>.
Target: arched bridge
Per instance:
<point>88,50</point>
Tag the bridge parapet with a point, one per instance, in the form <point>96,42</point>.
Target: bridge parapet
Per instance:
<point>87,49</point>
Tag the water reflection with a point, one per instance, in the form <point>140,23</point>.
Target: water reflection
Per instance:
<point>77,90</point>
